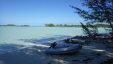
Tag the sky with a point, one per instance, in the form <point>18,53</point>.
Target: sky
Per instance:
<point>39,12</point>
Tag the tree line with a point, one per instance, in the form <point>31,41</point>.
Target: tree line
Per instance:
<point>72,25</point>
<point>15,25</point>
<point>61,25</point>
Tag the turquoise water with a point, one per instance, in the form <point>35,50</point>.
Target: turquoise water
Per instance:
<point>12,38</point>
<point>13,34</point>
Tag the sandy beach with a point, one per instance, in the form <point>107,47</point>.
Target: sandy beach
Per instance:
<point>92,53</point>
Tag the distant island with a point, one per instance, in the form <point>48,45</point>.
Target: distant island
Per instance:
<point>72,25</point>
<point>55,25</point>
<point>13,25</point>
<point>61,25</point>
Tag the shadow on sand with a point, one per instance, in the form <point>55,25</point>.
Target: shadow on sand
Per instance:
<point>6,48</point>
<point>94,53</point>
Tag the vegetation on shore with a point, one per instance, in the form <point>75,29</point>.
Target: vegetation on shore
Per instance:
<point>61,25</point>
<point>99,11</point>
<point>73,25</point>
<point>13,25</point>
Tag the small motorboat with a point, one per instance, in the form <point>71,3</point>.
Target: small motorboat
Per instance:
<point>64,49</point>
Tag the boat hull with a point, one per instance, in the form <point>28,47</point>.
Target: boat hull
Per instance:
<point>67,49</point>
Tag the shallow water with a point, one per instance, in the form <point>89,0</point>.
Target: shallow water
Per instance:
<point>13,38</point>
<point>13,34</point>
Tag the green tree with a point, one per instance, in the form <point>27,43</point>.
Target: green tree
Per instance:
<point>89,29</point>
<point>49,25</point>
<point>98,11</point>
<point>86,30</point>
<point>65,25</point>
<point>60,25</point>
<point>10,25</point>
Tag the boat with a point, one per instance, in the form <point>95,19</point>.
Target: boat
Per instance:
<point>64,49</point>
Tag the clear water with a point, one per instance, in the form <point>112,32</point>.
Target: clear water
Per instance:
<point>13,38</point>
<point>14,34</point>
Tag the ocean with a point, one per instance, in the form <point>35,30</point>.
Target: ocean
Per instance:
<point>15,38</point>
